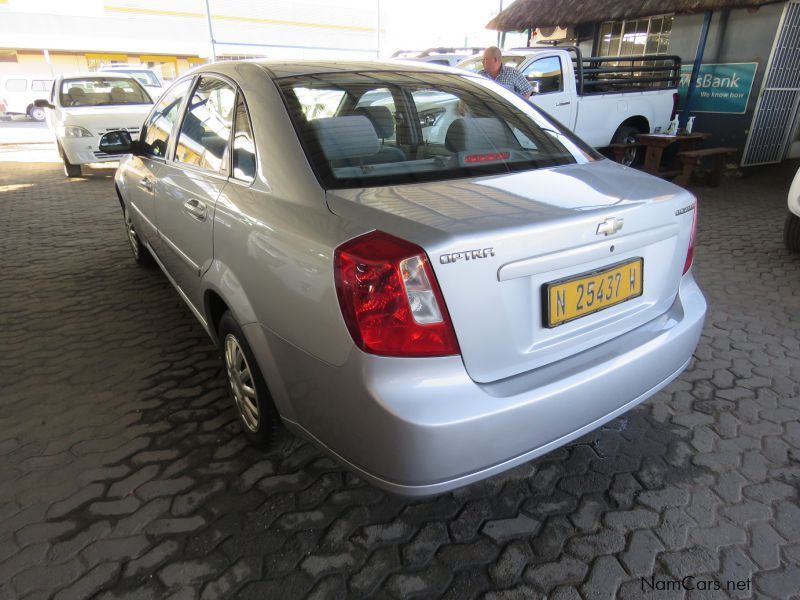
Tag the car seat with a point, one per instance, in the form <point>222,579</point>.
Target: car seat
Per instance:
<point>118,95</point>
<point>383,122</point>
<point>482,134</point>
<point>346,141</point>
<point>77,96</point>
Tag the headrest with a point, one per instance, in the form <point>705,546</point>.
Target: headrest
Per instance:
<point>117,93</point>
<point>478,135</point>
<point>381,119</point>
<point>346,137</point>
<point>76,91</point>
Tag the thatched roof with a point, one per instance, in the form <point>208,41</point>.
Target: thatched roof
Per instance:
<point>525,14</point>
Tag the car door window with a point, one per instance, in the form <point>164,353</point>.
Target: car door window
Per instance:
<point>546,71</point>
<point>206,128</point>
<point>244,147</point>
<point>158,126</point>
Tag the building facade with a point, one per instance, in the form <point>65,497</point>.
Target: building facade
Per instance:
<point>48,37</point>
<point>748,91</point>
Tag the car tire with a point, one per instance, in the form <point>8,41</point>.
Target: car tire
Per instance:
<point>70,170</point>
<point>36,113</point>
<point>246,386</point>
<point>626,134</point>
<point>791,233</point>
<point>140,252</point>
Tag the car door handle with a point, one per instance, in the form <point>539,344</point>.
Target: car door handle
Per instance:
<point>562,103</point>
<point>196,208</point>
<point>146,184</point>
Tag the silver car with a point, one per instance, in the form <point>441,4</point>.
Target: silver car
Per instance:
<point>430,305</point>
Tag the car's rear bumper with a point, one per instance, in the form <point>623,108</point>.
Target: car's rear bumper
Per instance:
<point>419,427</point>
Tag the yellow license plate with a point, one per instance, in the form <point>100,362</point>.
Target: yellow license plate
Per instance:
<point>587,293</point>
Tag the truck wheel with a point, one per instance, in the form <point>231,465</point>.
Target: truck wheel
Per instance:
<point>791,233</point>
<point>246,385</point>
<point>36,113</point>
<point>626,134</point>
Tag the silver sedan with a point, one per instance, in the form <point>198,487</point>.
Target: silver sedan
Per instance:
<point>408,265</point>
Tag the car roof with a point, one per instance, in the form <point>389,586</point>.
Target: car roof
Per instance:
<point>278,69</point>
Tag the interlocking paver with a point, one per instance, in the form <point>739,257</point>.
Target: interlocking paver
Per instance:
<point>140,485</point>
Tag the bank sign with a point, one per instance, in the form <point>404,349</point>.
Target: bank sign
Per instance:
<point>721,88</point>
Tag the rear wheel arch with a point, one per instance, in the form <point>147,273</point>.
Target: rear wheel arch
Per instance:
<point>626,134</point>
<point>119,196</point>
<point>638,122</point>
<point>214,307</point>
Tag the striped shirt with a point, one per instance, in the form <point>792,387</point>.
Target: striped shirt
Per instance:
<point>511,79</point>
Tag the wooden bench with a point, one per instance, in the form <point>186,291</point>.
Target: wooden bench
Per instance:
<point>692,159</point>
<point>619,150</point>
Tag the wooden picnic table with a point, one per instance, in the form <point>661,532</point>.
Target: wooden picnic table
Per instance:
<point>656,142</point>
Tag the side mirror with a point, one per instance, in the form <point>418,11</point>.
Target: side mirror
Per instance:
<point>117,142</point>
<point>42,104</point>
<point>535,86</point>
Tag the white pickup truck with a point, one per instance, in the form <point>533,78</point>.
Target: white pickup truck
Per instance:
<point>604,100</point>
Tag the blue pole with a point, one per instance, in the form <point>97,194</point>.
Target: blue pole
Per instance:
<point>698,60</point>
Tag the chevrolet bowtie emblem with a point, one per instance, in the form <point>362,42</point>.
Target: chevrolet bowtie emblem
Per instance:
<point>609,226</point>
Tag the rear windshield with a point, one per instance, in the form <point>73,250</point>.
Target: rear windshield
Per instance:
<point>102,91</point>
<point>385,128</point>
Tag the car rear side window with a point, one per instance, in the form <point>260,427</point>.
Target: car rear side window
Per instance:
<point>206,127</point>
<point>16,85</point>
<point>41,85</point>
<point>158,127</point>
<point>244,147</point>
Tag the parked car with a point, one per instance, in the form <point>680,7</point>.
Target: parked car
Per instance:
<point>18,95</point>
<point>791,230</point>
<point>605,103</point>
<point>428,310</point>
<point>448,57</point>
<point>84,107</point>
<point>147,77</point>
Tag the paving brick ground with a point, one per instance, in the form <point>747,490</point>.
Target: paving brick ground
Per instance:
<point>123,473</point>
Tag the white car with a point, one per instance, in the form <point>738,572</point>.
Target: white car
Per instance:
<point>791,231</point>
<point>84,107</point>
<point>18,94</point>
<point>147,77</point>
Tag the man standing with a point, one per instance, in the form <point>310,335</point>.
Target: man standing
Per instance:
<point>508,77</point>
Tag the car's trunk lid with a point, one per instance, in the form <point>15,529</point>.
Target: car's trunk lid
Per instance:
<point>494,242</point>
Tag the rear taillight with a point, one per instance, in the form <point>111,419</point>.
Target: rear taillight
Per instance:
<point>690,251</point>
<point>389,298</point>
<point>675,98</point>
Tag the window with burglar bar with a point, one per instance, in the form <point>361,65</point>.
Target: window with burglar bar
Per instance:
<point>635,37</point>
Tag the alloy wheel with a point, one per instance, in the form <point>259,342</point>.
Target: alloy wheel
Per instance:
<point>241,382</point>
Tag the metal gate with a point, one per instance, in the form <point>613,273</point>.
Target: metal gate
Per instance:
<point>776,112</point>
